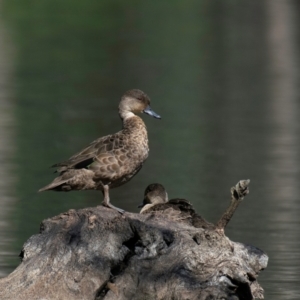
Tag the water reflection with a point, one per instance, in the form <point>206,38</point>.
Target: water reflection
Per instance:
<point>283,162</point>
<point>7,149</point>
<point>224,78</point>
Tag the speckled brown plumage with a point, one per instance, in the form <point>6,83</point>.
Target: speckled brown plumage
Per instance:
<point>156,200</point>
<point>112,160</point>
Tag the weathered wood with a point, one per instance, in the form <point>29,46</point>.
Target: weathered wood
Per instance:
<point>97,253</point>
<point>238,193</point>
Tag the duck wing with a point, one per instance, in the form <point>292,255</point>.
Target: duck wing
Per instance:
<point>104,146</point>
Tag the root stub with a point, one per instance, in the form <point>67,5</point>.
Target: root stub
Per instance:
<point>238,192</point>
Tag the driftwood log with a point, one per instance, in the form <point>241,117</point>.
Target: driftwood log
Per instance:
<point>97,253</point>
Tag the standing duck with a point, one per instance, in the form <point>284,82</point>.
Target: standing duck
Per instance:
<point>112,160</point>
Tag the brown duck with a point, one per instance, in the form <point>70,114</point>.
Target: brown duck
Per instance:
<point>112,160</point>
<point>156,199</point>
<point>154,194</point>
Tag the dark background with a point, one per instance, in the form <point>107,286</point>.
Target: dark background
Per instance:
<point>224,76</point>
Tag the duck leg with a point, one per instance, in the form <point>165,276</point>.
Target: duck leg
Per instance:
<point>106,201</point>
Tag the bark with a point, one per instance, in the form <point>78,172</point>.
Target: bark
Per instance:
<point>97,253</point>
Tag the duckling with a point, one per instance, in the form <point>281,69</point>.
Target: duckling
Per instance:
<point>156,199</point>
<point>112,160</point>
<point>154,194</point>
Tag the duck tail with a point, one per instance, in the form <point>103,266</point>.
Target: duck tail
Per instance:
<point>55,185</point>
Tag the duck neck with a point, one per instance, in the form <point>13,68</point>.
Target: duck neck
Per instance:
<point>132,124</point>
<point>146,207</point>
<point>125,114</point>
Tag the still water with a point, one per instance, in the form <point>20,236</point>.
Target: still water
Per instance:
<point>223,76</point>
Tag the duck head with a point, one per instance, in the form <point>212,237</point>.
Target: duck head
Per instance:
<point>154,194</point>
<point>133,102</point>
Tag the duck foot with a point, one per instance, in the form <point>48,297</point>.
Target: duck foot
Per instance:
<point>121,211</point>
<point>106,201</point>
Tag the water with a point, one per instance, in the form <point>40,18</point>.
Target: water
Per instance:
<point>224,77</point>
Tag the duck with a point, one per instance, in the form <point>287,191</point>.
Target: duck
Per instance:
<point>156,199</point>
<point>154,194</point>
<point>112,160</point>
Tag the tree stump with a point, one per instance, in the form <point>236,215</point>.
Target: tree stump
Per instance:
<point>97,253</point>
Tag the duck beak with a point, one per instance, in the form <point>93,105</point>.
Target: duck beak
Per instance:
<point>151,113</point>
